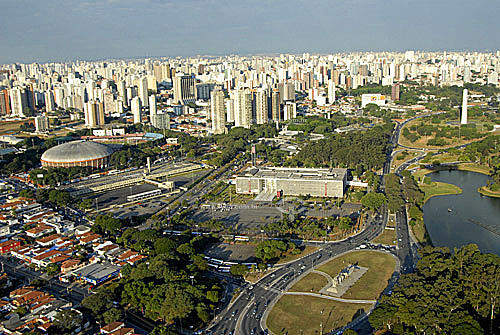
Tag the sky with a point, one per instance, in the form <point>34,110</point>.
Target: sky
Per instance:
<point>64,30</point>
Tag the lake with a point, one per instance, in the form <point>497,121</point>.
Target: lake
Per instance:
<point>470,213</point>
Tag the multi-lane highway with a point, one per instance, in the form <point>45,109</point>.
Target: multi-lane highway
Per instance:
<point>247,314</point>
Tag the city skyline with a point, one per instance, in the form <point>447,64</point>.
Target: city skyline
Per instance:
<point>102,29</point>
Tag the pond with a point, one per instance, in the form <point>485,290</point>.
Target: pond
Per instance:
<point>456,220</point>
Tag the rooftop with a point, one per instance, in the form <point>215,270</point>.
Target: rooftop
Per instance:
<point>294,173</point>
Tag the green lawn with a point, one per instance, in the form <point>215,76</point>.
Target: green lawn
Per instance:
<point>438,188</point>
<point>312,282</point>
<point>486,191</point>
<point>380,268</point>
<point>303,315</point>
<point>388,237</point>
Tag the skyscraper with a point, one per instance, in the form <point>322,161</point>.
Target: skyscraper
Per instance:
<point>18,102</point>
<point>331,92</point>
<point>4,102</point>
<point>49,101</point>
<point>152,107</point>
<point>243,109</point>
<point>143,91</point>
<point>395,92</point>
<point>94,114</point>
<point>275,105</point>
<point>184,90</point>
<point>136,109</point>
<point>465,97</point>
<point>261,106</point>
<point>218,113</point>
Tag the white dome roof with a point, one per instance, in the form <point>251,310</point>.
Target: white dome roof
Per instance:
<point>76,151</point>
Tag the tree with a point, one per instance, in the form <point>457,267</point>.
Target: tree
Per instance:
<point>67,319</point>
<point>163,330</point>
<point>373,201</point>
<point>239,270</point>
<point>85,204</point>
<point>112,315</point>
<point>164,245</point>
<point>52,269</point>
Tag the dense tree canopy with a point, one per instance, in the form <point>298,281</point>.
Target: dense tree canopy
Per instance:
<point>359,150</point>
<point>449,293</point>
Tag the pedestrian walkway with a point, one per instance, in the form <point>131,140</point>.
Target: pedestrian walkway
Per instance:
<point>319,295</point>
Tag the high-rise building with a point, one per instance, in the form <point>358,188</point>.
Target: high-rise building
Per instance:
<point>49,101</point>
<point>18,102</point>
<point>275,105</point>
<point>395,92</point>
<point>465,97</point>
<point>94,114</point>
<point>4,102</point>
<point>331,92</point>
<point>41,123</point>
<point>184,90</point>
<point>161,121</point>
<point>136,109</point>
<point>203,90</point>
<point>261,106</point>
<point>122,90</point>
<point>143,91</point>
<point>290,111</point>
<point>217,111</point>
<point>243,109</point>
<point>152,107</point>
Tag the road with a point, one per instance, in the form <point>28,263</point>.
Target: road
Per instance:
<point>248,312</point>
<point>245,314</point>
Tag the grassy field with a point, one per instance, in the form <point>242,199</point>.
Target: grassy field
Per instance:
<point>388,237</point>
<point>312,282</point>
<point>303,315</point>
<point>421,234</point>
<point>307,250</point>
<point>487,192</point>
<point>11,126</point>
<point>437,188</point>
<point>474,168</point>
<point>372,283</point>
<point>422,141</point>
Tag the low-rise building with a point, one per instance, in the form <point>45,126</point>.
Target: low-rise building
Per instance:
<point>292,181</point>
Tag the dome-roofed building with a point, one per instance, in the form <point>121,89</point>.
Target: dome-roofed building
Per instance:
<point>77,153</point>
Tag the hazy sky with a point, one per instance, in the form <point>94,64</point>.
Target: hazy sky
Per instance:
<point>57,30</point>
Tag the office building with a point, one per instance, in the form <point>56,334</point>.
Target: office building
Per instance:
<point>136,109</point>
<point>292,181</point>
<point>184,90</point>
<point>217,111</point>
